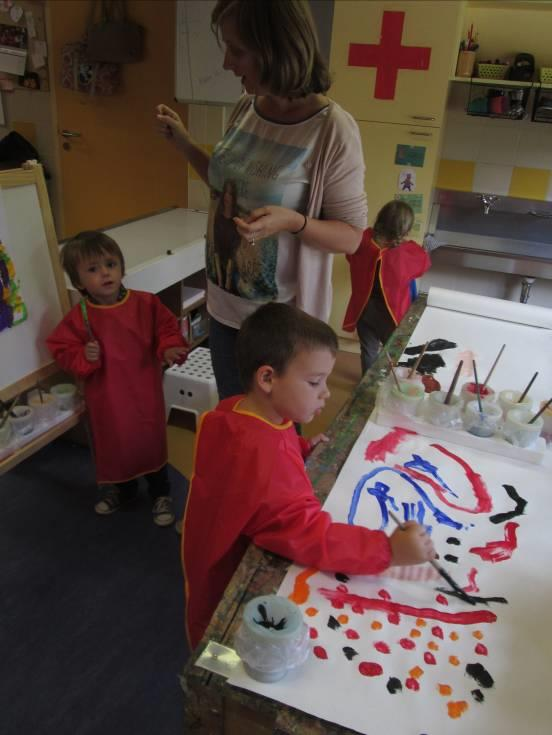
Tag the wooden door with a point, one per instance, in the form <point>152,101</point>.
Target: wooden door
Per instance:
<point>115,167</point>
<point>391,61</point>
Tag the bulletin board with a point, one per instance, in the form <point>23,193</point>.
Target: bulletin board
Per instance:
<point>33,287</point>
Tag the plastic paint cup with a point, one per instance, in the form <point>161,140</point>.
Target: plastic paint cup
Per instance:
<point>439,414</point>
<point>22,420</point>
<point>408,400</point>
<point>45,410</point>
<point>64,394</point>
<point>508,399</point>
<point>547,422</point>
<point>385,387</point>
<point>483,423</point>
<point>272,638</point>
<point>468,393</point>
<point>5,434</point>
<point>517,429</point>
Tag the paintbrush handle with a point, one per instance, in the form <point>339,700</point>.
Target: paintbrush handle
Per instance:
<point>453,384</point>
<point>477,391</point>
<point>542,410</point>
<point>526,391</point>
<point>418,361</point>
<point>393,371</point>
<point>493,366</point>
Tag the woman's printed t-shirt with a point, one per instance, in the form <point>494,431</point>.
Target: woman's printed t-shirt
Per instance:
<point>259,163</point>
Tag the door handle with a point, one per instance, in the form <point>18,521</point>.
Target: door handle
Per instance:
<point>422,117</point>
<point>424,135</point>
<point>71,134</point>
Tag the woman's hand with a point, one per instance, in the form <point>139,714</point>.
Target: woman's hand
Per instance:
<point>266,221</point>
<point>170,125</point>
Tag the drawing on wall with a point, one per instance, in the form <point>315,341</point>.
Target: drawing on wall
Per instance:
<point>407,180</point>
<point>12,307</point>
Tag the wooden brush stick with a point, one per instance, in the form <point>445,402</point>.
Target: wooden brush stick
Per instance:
<point>493,367</point>
<point>477,391</point>
<point>453,384</point>
<point>393,373</point>
<point>526,391</point>
<point>542,410</point>
<point>418,361</point>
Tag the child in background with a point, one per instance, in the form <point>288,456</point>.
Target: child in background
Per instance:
<point>249,481</point>
<point>115,341</point>
<point>382,270</point>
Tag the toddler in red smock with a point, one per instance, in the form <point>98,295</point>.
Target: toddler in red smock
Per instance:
<point>115,340</point>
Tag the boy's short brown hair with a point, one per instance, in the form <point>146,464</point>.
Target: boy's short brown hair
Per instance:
<point>84,246</point>
<point>274,334</point>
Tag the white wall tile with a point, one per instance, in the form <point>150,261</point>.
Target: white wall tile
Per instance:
<point>535,150</point>
<point>461,141</point>
<point>492,178</point>
<point>499,143</point>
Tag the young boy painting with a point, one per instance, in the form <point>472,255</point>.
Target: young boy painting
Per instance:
<point>249,481</point>
<point>115,340</point>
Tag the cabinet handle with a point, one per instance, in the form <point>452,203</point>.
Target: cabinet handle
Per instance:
<point>424,135</point>
<point>422,117</point>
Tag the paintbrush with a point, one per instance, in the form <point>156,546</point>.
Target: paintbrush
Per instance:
<point>39,392</point>
<point>542,410</point>
<point>453,384</point>
<point>462,594</point>
<point>526,391</point>
<point>477,387</point>
<point>84,312</point>
<point>393,371</point>
<point>493,367</point>
<point>9,410</point>
<point>418,361</point>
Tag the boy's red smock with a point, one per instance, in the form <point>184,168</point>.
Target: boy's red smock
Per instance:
<point>398,266</point>
<point>250,484</point>
<point>123,389</point>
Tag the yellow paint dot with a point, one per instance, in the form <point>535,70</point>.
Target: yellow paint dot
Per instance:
<point>456,709</point>
<point>376,625</point>
<point>444,690</point>
<point>454,660</point>
<point>477,634</point>
<point>416,672</point>
<point>421,623</point>
<point>415,633</point>
<point>343,619</point>
<point>454,636</point>
<point>433,646</point>
<point>311,612</point>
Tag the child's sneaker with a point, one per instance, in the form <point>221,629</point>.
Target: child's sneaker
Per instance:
<point>163,511</point>
<point>110,503</point>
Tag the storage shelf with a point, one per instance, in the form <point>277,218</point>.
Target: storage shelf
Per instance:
<point>496,82</point>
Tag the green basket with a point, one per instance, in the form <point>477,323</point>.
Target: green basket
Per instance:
<point>546,75</point>
<point>492,71</point>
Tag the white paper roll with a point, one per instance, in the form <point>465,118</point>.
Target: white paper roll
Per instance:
<point>509,311</point>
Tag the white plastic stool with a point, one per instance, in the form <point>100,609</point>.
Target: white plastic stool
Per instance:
<point>191,386</point>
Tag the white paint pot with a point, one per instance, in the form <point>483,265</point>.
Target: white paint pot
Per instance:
<point>517,429</point>
<point>64,394</point>
<point>22,419</point>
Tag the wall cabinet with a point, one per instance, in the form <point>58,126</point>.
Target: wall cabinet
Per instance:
<point>410,49</point>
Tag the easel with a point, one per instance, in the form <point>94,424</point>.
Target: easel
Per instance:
<point>29,234</point>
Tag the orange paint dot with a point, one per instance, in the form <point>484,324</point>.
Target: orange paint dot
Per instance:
<point>415,633</point>
<point>477,634</point>
<point>311,612</point>
<point>301,590</point>
<point>376,625</point>
<point>343,619</point>
<point>421,623</point>
<point>416,672</point>
<point>454,660</point>
<point>433,646</point>
<point>444,690</point>
<point>457,709</point>
<point>454,636</point>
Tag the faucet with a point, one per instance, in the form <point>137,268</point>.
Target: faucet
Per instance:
<point>488,200</point>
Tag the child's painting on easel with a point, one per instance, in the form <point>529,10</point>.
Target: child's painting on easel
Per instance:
<point>12,307</point>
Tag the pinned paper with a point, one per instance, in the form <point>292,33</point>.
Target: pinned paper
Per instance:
<point>416,201</point>
<point>407,180</point>
<point>29,18</point>
<point>410,155</point>
<point>16,13</point>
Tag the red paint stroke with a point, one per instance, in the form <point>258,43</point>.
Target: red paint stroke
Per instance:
<point>389,56</point>
<point>313,633</point>
<point>437,632</point>
<point>407,644</point>
<point>481,649</point>
<point>382,647</point>
<point>494,551</point>
<point>394,618</point>
<point>352,635</point>
<point>469,617</point>
<point>412,684</point>
<point>430,383</point>
<point>301,590</point>
<point>472,586</point>
<point>320,652</point>
<point>384,594</point>
<point>442,600</point>
<point>484,502</point>
<point>369,668</point>
<point>342,587</point>
<point>378,449</point>
<point>429,658</point>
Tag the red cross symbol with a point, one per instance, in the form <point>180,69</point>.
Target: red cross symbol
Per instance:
<point>389,56</point>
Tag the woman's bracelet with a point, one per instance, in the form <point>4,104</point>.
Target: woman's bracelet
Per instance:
<point>301,228</point>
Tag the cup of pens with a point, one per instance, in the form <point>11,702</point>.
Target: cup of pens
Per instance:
<point>466,56</point>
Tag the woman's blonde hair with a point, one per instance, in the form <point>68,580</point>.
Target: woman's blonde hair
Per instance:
<point>393,222</point>
<point>282,35</point>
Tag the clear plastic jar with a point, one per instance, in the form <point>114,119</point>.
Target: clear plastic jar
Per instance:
<point>482,423</point>
<point>44,406</point>
<point>468,393</point>
<point>508,399</point>
<point>437,413</point>
<point>22,420</point>
<point>64,394</point>
<point>517,429</point>
<point>408,399</point>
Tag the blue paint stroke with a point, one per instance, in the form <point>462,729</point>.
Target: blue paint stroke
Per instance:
<point>419,463</point>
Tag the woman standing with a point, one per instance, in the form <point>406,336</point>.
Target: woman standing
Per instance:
<point>296,161</point>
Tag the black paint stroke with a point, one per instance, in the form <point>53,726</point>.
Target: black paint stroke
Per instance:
<point>265,622</point>
<point>428,364</point>
<point>478,695</point>
<point>518,510</point>
<point>473,599</point>
<point>433,346</point>
<point>450,557</point>
<point>453,540</point>
<point>341,577</point>
<point>349,652</point>
<point>333,623</point>
<point>394,685</point>
<point>480,674</point>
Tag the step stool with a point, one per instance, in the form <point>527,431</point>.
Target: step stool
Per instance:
<point>191,386</point>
